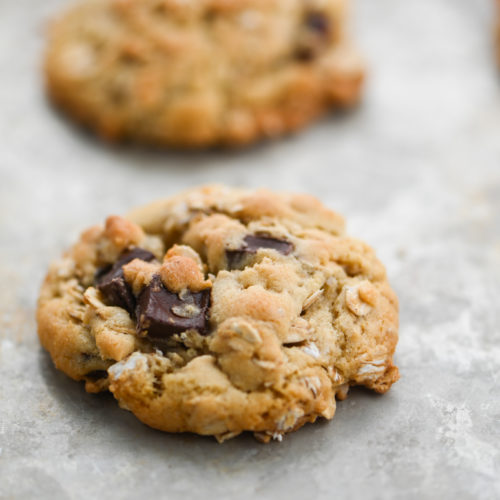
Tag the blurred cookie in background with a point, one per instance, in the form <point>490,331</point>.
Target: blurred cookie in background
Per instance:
<point>201,73</point>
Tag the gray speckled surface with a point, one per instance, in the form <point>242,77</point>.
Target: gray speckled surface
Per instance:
<point>416,171</point>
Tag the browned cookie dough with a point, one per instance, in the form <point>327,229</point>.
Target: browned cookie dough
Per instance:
<point>199,73</point>
<point>222,310</point>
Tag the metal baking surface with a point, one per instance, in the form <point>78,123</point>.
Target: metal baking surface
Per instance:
<point>416,172</point>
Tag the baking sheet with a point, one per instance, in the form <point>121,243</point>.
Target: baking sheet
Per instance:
<point>416,172</point>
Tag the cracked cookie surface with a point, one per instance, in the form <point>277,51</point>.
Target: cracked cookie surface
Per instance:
<point>204,72</point>
<point>222,310</point>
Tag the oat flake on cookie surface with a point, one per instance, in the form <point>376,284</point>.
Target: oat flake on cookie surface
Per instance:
<point>200,73</point>
<point>222,310</point>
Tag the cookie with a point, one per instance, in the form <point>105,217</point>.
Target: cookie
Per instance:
<point>201,73</point>
<point>222,310</point>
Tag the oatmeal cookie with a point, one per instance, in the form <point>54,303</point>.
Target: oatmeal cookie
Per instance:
<point>201,73</point>
<point>222,310</point>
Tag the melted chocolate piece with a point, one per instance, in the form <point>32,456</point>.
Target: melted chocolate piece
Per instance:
<point>161,313</point>
<point>235,258</point>
<point>112,284</point>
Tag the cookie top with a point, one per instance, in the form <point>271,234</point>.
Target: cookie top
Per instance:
<point>201,72</point>
<point>222,310</point>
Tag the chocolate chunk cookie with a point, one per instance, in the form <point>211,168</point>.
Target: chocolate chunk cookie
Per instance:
<point>222,310</point>
<point>201,73</point>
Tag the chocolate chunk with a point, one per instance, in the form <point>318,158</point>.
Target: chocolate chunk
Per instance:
<point>304,54</point>
<point>97,374</point>
<point>314,37</point>
<point>111,281</point>
<point>161,313</point>
<point>318,22</point>
<point>252,243</point>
